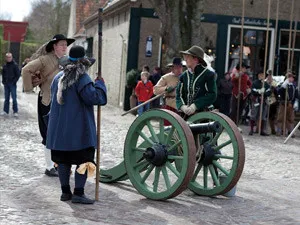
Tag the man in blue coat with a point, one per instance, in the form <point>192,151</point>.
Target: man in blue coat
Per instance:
<point>10,77</point>
<point>71,133</point>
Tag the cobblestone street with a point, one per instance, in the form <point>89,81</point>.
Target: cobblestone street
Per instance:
<point>267,193</point>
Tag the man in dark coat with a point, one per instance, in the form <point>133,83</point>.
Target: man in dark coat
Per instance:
<point>10,76</point>
<point>258,90</point>
<point>197,88</point>
<point>288,87</point>
<point>225,93</point>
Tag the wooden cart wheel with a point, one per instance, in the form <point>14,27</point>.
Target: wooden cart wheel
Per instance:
<point>151,168</point>
<point>220,156</point>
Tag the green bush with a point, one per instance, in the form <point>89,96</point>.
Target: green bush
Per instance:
<point>27,49</point>
<point>3,48</point>
<point>1,31</point>
<point>131,78</point>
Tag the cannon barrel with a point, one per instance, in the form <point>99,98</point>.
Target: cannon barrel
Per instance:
<point>200,128</point>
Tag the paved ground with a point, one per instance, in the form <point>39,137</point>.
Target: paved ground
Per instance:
<point>268,191</point>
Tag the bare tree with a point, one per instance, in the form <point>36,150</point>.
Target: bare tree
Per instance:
<point>48,17</point>
<point>181,22</point>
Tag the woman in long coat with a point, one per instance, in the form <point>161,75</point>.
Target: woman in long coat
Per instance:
<point>71,132</point>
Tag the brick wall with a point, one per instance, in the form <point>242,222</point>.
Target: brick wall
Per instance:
<point>84,9</point>
<point>149,27</point>
<point>259,8</point>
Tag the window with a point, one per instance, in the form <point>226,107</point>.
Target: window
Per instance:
<point>253,50</point>
<point>284,39</point>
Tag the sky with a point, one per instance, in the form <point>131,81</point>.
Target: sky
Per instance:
<point>18,9</point>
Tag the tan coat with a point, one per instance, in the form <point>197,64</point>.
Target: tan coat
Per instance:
<point>167,80</point>
<point>47,67</point>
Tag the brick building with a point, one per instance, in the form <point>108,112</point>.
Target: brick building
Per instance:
<point>128,24</point>
<point>83,27</point>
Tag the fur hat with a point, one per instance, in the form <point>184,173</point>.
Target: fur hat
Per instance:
<point>57,38</point>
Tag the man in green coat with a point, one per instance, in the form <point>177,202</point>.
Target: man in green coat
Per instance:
<point>197,88</point>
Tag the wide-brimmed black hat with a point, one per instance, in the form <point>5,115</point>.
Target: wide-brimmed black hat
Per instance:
<point>57,38</point>
<point>195,51</point>
<point>177,61</point>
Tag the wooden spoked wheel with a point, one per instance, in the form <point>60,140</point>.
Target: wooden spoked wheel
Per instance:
<point>150,152</point>
<point>220,156</point>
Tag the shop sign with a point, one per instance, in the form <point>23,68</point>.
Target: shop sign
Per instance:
<point>253,22</point>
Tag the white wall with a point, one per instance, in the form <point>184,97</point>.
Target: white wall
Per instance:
<point>113,69</point>
<point>93,32</point>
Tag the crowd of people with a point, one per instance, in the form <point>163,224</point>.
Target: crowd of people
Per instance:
<point>260,102</point>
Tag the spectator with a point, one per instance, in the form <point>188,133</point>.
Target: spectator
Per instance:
<point>257,91</point>
<point>292,98</point>
<point>225,93</point>
<point>144,91</point>
<point>10,77</point>
<point>154,78</point>
<point>245,90</point>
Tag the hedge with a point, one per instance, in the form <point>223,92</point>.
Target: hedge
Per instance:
<point>27,49</point>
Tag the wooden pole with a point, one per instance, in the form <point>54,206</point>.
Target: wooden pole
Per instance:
<point>288,67</point>
<point>275,43</point>
<point>99,107</point>
<point>144,103</point>
<point>265,67</point>
<point>291,134</point>
<point>241,62</point>
<point>274,55</point>
<point>294,41</point>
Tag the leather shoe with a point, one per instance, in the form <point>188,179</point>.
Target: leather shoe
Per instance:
<point>82,199</point>
<point>66,197</point>
<point>51,173</point>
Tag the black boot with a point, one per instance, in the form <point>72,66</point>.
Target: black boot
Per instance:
<point>79,197</point>
<point>66,193</point>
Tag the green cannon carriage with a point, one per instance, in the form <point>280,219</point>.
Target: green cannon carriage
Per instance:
<point>162,161</point>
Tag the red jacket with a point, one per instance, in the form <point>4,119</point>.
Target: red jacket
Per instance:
<point>245,84</point>
<point>144,91</point>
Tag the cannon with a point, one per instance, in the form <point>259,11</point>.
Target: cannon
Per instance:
<point>162,161</point>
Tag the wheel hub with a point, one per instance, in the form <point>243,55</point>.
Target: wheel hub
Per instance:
<point>207,154</point>
<point>157,154</point>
